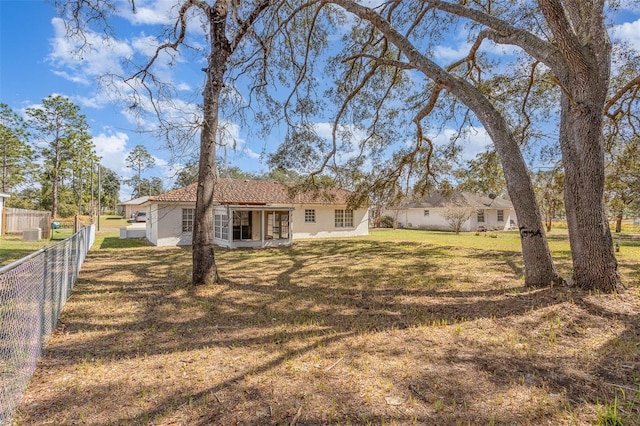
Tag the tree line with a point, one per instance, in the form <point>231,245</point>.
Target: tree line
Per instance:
<point>48,161</point>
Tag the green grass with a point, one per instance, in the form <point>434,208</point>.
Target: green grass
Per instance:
<point>12,248</point>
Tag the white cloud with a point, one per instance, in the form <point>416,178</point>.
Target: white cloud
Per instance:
<point>231,142</point>
<point>451,54</point>
<point>628,32</point>
<point>112,148</point>
<point>147,12</point>
<point>82,63</point>
<point>474,141</point>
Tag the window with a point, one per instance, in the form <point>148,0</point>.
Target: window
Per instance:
<point>480,215</point>
<point>310,216</point>
<point>220,227</point>
<point>277,225</point>
<point>344,219</point>
<point>426,212</point>
<point>242,225</point>
<point>187,220</point>
<point>500,215</point>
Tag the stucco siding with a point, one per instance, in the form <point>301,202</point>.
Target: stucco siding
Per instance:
<point>165,228</point>
<point>324,225</point>
<point>164,224</point>
<point>434,220</point>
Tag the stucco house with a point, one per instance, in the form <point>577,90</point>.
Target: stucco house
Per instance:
<point>254,213</point>
<point>491,213</point>
<point>132,206</point>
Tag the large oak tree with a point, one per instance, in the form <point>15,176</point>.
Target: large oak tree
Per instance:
<point>566,43</point>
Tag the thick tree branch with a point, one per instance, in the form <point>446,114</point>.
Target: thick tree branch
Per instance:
<point>619,94</point>
<point>505,33</point>
<point>566,39</point>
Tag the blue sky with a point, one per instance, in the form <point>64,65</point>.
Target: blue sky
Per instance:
<point>36,61</point>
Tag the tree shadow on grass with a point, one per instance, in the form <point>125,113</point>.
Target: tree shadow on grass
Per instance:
<point>289,304</point>
<point>124,243</point>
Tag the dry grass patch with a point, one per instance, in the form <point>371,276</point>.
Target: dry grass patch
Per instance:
<point>398,328</point>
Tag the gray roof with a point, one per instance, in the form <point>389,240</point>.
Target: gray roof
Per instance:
<point>436,199</point>
<point>135,201</point>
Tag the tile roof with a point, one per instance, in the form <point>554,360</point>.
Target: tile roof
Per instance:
<point>255,192</point>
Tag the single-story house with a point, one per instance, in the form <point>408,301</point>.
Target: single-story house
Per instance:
<point>254,213</point>
<point>3,196</point>
<point>132,206</point>
<point>486,212</point>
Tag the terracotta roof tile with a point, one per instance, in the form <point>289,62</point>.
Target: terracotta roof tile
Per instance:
<point>256,192</point>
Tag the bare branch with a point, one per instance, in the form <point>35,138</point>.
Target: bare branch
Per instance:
<point>634,83</point>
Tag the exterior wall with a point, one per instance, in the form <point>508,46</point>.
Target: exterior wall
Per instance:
<point>164,225</point>
<point>415,218</point>
<point>492,223</point>
<point>324,225</point>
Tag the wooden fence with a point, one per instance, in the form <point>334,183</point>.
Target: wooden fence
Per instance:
<point>15,221</point>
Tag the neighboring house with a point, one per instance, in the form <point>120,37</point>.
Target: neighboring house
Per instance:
<point>3,196</point>
<point>132,206</point>
<point>490,213</point>
<point>254,213</point>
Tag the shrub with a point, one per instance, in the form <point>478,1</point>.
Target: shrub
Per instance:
<point>386,222</point>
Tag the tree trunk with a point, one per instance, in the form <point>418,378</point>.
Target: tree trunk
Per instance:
<point>204,264</point>
<point>583,72</point>
<point>594,263</point>
<point>619,222</point>
<point>538,264</point>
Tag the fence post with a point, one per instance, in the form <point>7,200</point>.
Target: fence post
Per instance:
<point>4,220</point>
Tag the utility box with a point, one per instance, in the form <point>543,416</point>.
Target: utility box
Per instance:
<point>32,234</point>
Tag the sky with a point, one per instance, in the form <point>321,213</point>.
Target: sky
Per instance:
<point>36,60</point>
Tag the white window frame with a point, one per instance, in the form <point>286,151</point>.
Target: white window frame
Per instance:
<point>309,216</point>
<point>221,226</point>
<point>480,216</point>
<point>500,215</point>
<point>187,220</point>
<point>343,218</point>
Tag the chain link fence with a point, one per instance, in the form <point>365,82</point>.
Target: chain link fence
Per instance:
<point>33,291</point>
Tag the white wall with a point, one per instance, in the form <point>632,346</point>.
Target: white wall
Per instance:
<point>164,225</point>
<point>415,218</point>
<point>324,225</point>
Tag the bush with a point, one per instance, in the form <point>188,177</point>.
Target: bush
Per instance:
<point>386,222</point>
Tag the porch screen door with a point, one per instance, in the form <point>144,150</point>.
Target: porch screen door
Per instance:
<point>242,225</point>
<point>277,225</point>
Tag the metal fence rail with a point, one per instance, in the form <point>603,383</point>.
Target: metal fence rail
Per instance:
<point>33,291</point>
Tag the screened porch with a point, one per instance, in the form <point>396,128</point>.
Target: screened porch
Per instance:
<point>252,226</point>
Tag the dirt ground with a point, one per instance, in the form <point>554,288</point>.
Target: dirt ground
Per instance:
<point>380,333</point>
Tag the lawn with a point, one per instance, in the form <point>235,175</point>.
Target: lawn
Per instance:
<point>12,248</point>
<point>401,327</point>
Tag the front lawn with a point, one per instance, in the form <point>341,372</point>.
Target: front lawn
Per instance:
<point>401,327</point>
